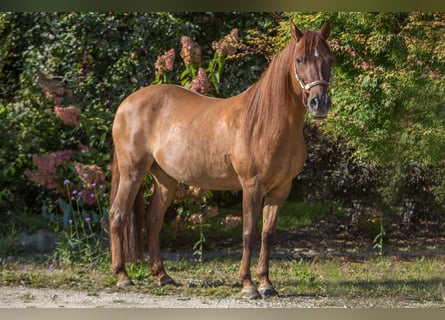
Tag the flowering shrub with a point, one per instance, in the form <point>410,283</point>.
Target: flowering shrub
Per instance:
<point>83,235</point>
<point>46,172</point>
<point>81,201</point>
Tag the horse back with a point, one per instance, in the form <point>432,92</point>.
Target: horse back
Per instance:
<point>190,136</point>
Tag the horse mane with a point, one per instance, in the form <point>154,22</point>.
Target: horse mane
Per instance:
<point>271,97</point>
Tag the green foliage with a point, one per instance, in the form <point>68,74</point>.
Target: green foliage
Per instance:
<point>101,58</point>
<point>388,88</point>
<point>387,94</point>
<point>383,141</point>
<point>10,243</point>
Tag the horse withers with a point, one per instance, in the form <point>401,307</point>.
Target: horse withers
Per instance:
<point>251,142</point>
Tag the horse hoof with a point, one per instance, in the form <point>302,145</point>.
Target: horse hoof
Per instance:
<point>250,294</point>
<point>166,280</point>
<point>267,292</point>
<point>125,283</point>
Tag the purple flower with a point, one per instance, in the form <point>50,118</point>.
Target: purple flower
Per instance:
<point>65,182</point>
<point>105,195</point>
<point>74,192</point>
<point>51,267</point>
<point>93,184</point>
<point>88,219</point>
<point>101,186</point>
<point>70,221</point>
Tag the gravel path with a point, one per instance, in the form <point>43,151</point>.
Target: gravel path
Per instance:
<point>23,297</point>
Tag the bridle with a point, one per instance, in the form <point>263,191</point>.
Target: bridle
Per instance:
<point>307,86</point>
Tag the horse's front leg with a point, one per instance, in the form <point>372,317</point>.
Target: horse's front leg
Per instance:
<point>272,206</point>
<point>252,201</point>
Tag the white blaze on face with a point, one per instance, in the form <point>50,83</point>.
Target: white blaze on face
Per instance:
<point>316,54</point>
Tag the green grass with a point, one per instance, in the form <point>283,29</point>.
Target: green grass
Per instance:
<point>418,279</point>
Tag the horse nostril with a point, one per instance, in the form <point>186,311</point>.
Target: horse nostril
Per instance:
<point>313,103</point>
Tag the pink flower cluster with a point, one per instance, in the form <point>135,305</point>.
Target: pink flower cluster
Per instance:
<point>202,216</point>
<point>92,176</point>
<point>46,172</point>
<point>190,52</point>
<point>231,221</point>
<point>228,45</point>
<point>201,83</point>
<point>54,91</point>
<point>69,115</point>
<point>165,62</point>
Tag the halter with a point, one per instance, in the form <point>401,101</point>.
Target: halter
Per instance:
<point>308,86</point>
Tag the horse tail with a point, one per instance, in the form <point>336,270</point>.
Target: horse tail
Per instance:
<point>134,223</point>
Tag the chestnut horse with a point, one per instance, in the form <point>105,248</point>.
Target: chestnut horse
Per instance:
<point>252,141</point>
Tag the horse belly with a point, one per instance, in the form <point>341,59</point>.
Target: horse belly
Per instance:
<point>198,161</point>
<point>199,170</point>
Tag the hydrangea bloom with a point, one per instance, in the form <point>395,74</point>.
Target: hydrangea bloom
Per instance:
<point>69,115</point>
<point>190,51</point>
<point>201,83</point>
<point>165,62</point>
<point>228,45</point>
<point>45,173</point>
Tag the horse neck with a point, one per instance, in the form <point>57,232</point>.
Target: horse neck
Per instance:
<point>273,114</point>
<point>272,102</point>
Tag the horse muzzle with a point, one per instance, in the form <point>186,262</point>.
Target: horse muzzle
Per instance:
<point>319,105</point>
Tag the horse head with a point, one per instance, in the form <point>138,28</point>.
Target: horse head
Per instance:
<point>311,68</point>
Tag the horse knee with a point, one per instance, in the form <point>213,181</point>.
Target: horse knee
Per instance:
<point>249,239</point>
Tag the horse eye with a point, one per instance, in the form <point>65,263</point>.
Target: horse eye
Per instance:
<point>300,60</point>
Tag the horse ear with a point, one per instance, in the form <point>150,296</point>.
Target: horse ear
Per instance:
<point>325,29</point>
<point>295,32</point>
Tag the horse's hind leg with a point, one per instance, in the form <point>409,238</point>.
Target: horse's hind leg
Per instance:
<point>130,180</point>
<point>164,189</point>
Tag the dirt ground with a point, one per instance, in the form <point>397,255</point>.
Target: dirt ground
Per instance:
<point>23,297</point>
